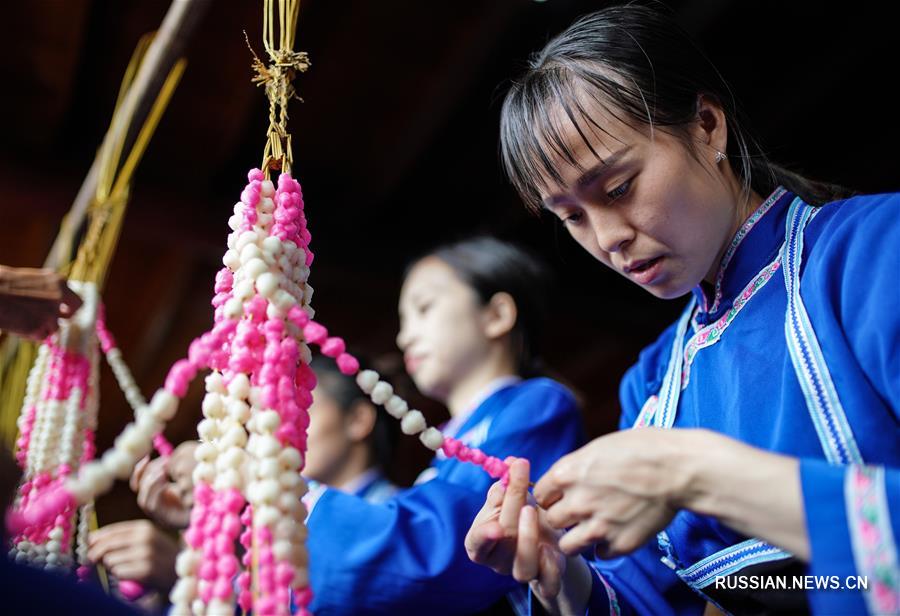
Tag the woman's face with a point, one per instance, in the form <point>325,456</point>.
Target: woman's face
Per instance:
<point>647,209</point>
<point>329,443</point>
<point>441,328</point>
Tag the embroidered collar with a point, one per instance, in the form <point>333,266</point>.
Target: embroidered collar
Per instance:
<point>743,259</point>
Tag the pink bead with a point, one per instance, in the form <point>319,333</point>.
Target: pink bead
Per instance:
<point>303,596</point>
<point>255,175</point>
<point>333,347</point>
<point>284,574</point>
<point>464,454</point>
<point>243,580</point>
<point>227,566</point>
<point>477,457</point>
<point>265,556</point>
<point>223,545</point>
<point>130,589</point>
<point>315,333</point>
<point>245,600</point>
<point>298,316</point>
<point>83,572</point>
<point>222,589</point>
<point>267,605</point>
<point>208,570</point>
<point>206,593</point>
<point>347,364</point>
<point>234,501</point>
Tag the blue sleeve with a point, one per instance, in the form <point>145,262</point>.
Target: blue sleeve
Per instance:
<point>853,520</point>
<point>854,279</point>
<point>853,513</point>
<point>407,555</point>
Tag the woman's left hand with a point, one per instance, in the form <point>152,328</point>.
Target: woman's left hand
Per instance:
<point>617,491</point>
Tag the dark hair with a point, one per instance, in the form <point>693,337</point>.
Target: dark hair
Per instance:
<point>346,393</point>
<point>632,60</point>
<point>490,266</point>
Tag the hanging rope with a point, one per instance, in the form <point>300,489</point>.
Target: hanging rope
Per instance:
<point>277,78</point>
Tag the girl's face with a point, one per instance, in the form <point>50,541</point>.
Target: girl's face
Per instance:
<point>441,328</point>
<point>329,442</point>
<point>648,209</point>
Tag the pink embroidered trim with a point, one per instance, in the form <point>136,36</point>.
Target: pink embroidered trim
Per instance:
<point>755,217</point>
<point>874,548</point>
<point>647,412</point>
<point>711,334</point>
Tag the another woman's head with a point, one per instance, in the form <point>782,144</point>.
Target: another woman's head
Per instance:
<point>347,433</point>
<point>469,309</point>
<point>619,128</point>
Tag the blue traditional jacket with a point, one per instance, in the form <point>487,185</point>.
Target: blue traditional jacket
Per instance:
<point>795,350</point>
<point>407,554</point>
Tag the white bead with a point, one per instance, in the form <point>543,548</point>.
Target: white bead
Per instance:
<point>231,458</point>
<point>97,478</point>
<point>186,563</point>
<point>284,300</point>
<point>272,245</point>
<point>432,438</point>
<point>282,550</point>
<point>185,588</point>
<point>234,308</point>
<point>266,188</point>
<point>234,222</point>
<point>204,473</point>
<point>250,252</point>
<point>290,458</point>
<point>238,410</point>
<point>164,405</point>
<point>267,446</point>
<point>289,480</point>
<point>215,383</point>
<point>268,468</point>
<point>396,406</point>
<point>198,608</point>
<point>266,515</point>
<point>229,479</point>
<point>308,294</point>
<point>56,534</point>
<point>245,238</point>
<point>132,441</point>
<point>217,607</point>
<point>289,504</point>
<point>284,528</point>
<point>413,422</point>
<point>254,268</point>
<point>264,220</point>
<point>205,452</point>
<point>239,208</point>
<point>367,379</point>
<point>239,386</point>
<point>382,392</point>
<point>119,463</point>
<point>266,206</point>
<point>305,352</point>
<point>231,260</point>
<point>274,312</point>
<point>207,429</point>
<point>268,421</point>
<point>212,405</point>
<point>267,284</point>
<point>235,436</point>
<point>244,289</point>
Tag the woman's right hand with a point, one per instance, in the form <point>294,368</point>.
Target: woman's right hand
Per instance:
<point>164,486</point>
<point>511,536</point>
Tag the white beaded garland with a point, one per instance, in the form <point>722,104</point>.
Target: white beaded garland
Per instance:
<point>413,422</point>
